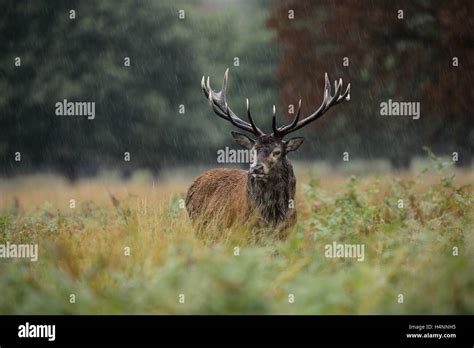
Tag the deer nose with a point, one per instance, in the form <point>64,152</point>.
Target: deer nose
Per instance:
<point>257,169</point>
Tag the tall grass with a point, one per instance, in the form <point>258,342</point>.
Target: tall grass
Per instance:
<point>82,251</point>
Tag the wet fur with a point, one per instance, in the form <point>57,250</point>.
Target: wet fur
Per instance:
<point>228,197</point>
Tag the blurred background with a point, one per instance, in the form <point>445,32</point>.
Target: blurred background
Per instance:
<point>273,59</point>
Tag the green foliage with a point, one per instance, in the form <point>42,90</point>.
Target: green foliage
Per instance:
<point>137,107</point>
<point>408,251</point>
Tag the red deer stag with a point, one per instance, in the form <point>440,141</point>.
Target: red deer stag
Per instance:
<point>264,195</point>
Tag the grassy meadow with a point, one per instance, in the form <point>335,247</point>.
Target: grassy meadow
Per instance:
<point>84,250</point>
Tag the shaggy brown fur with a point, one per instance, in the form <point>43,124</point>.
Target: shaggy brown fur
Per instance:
<point>231,197</point>
<point>219,193</point>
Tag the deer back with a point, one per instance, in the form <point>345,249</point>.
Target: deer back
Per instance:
<point>219,196</point>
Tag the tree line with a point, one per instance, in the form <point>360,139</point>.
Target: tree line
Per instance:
<point>141,64</point>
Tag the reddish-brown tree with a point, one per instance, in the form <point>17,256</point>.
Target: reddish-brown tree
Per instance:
<point>405,59</point>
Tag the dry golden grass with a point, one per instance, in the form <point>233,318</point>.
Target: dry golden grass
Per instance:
<point>32,192</point>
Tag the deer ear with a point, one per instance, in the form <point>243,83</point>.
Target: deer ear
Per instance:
<point>243,140</point>
<point>293,144</point>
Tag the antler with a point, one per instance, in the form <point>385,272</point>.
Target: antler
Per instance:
<point>219,104</point>
<point>328,101</point>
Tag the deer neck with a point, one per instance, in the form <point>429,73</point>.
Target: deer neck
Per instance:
<point>273,196</point>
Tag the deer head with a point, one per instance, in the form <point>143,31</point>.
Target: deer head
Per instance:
<point>269,150</point>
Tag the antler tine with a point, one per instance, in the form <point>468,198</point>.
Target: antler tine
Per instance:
<point>274,127</point>
<point>346,95</point>
<point>210,91</point>
<point>337,87</point>
<point>225,114</point>
<point>224,82</point>
<point>252,123</point>
<point>328,101</point>
<point>203,86</point>
<point>327,88</point>
<point>219,104</point>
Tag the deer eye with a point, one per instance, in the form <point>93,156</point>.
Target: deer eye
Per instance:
<point>276,153</point>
